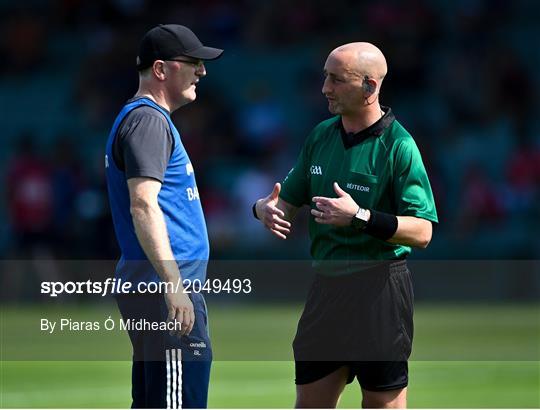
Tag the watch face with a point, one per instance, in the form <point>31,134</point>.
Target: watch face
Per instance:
<point>362,215</point>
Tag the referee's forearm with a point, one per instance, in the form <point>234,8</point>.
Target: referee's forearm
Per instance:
<point>152,234</point>
<point>412,231</point>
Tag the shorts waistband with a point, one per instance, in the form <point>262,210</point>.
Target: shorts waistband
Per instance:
<point>398,266</point>
<point>392,267</point>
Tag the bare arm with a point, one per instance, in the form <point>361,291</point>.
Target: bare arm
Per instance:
<point>150,226</point>
<point>412,231</point>
<point>275,213</point>
<point>152,234</point>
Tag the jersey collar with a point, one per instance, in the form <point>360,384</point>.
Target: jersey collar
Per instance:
<point>375,130</point>
<point>146,98</point>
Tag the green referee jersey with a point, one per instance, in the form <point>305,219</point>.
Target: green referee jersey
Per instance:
<point>380,167</point>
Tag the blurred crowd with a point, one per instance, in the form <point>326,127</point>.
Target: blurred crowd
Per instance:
<point>462,79</point>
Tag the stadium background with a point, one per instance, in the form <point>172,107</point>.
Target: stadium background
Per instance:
<point>462,78</point>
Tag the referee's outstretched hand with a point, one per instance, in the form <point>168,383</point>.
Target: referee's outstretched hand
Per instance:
<point>334,211</point>
<point>181,312</point>
<point>271,216</point>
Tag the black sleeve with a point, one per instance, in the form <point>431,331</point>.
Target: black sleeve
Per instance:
<point>144,144</point>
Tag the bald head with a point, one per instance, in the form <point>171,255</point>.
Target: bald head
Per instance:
<point>361,59</point>
<point>353,74</point>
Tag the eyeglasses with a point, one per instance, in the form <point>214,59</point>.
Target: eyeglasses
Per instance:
<point>197,63</point>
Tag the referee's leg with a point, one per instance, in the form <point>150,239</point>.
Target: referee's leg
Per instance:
<point>391,399</point>
<point>322,393</point>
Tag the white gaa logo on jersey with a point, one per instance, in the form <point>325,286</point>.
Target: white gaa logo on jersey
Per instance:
<point>189,169</point>
<point>315,170</point>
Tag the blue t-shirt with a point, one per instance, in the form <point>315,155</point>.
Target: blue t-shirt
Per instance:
<point>178,199</point>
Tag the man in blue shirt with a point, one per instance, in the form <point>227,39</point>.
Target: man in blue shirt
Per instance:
<point>159,222</point>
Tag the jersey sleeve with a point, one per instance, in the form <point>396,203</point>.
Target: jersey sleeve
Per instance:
<point>146,147</point>
<point>295,186</point>
<point>411,187</point>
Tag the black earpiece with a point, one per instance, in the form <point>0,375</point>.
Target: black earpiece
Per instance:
<point>367,86</point>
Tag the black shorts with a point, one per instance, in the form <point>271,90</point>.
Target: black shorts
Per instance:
<point>362,320</point>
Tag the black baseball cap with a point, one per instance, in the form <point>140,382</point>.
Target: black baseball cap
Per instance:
<point>172,40</point>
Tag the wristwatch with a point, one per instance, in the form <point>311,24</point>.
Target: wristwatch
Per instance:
<point>360,220</point>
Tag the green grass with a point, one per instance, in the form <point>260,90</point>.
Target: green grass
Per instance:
<point>269,385</point>
<point>465,356</point>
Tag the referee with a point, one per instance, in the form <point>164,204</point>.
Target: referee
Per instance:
<point>362,175</point>
<point>159,223</point>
